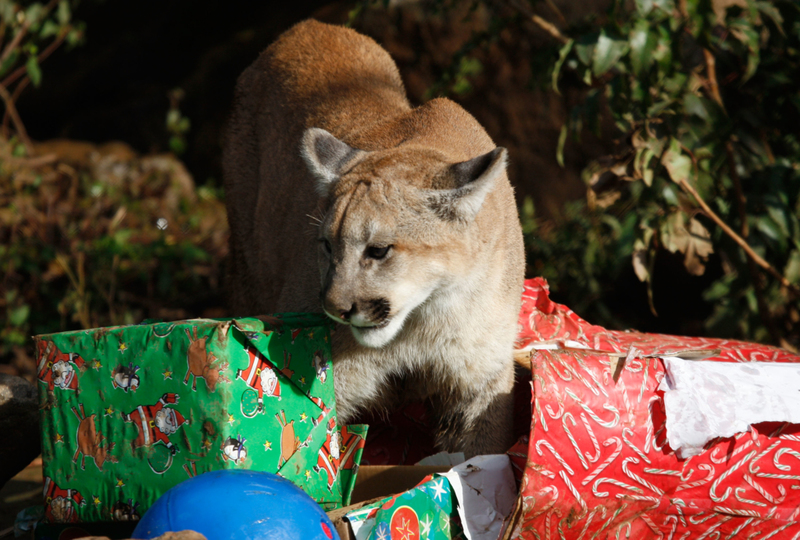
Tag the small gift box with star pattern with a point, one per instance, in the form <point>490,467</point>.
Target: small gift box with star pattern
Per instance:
<point>129,412</point>
<point>428,511</point>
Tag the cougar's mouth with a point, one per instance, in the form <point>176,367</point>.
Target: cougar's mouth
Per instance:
<point>362,327</point>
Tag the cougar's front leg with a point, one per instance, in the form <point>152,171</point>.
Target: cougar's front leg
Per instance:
<point>359,385</point>
<point>477,420</point>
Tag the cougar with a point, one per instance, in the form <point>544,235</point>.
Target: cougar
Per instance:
<point>399,223</point>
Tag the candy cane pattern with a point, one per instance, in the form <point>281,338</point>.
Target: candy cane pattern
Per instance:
<point>737,493</point>
<point>612,481</point>
<point>740,528</point>
<point>736,489</point>
<point>570,418</point>
<point>713,491</point>
<point>608,425</point>
<point>706,480</point>
<point>758,487</point>
<point>625,436</point>
<point>571,487</point>
<point>549,446</point>
<point>638,478</point>
<point>593,438</point>
<point>752,467</point>
<point>617,451</point>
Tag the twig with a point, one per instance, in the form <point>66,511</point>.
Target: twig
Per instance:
<point>557,11</point>
<point>738,239</point>
<point>12,112</point>
<point>23,30</point>
<point>711,70</point>
<point>17,91</point>
<point>544,24</point>
<point>17,73</point>
<point>741,204</point>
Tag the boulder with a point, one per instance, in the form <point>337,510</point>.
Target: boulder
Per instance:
<point>19,425</point>
<point>182,535</point>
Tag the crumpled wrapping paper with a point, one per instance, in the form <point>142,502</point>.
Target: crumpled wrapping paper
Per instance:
<point>599,464</point>
<point>704,400</point>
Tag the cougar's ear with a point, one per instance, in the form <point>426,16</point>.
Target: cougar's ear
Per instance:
<point>474,179</point>
<point>325,157</point>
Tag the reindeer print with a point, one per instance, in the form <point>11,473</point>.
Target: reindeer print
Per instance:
<point>201,363</point>
<point>89,440</point>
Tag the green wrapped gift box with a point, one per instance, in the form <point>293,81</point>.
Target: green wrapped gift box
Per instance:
<point>428,511</point>
<point>129,412</point>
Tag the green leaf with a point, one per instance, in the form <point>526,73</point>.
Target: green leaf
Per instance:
<point>49,29</point>
<point>562,56</point>
<point>19,315</point>
<point>678,165</point>
<point>792,271</point>
<point>607,53</point>
<point>642,42</point>
<point>34,72</point>
<point>63,15</point>
<point>694,105</point>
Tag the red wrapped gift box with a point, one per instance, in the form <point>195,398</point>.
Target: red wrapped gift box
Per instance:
<point>598,464</point>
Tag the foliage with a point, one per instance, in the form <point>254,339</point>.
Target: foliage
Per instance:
<point>29,33</point>
<point>97,236</point>
<point>707,160</point>
<point>709,129</point>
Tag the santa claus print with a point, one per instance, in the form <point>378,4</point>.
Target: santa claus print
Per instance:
<point>57,369</point>
<point>59,504</point>
<point>338,452</point>
<point>125,377</point>
<point>321,366</point>
<point>156,422</point>
<point>260,376</point>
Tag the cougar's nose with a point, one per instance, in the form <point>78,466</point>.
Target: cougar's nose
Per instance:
<point>345,315</point>
<point>342,309</point>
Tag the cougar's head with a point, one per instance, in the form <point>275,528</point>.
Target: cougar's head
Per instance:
<point>396,228</point>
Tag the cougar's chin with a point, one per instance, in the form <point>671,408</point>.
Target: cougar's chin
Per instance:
<point>380,335</point>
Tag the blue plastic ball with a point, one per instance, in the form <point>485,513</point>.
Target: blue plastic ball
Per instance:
<point>237,505</point>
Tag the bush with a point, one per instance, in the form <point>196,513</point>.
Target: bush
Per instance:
<point>707,156</point>
<point>97,236</point>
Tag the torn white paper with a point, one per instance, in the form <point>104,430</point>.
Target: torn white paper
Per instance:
<point>705,400</point>
<point>486,492</point>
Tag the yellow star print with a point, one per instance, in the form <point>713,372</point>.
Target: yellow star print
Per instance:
<point>120,483</point>
<point>59,438</point>
<point>109,411</point>
<point>96,364</point>
<point>123,347</point>
<point>167,375</point>
<point>308,475</point>
<point>231,419</point>
<point>206,444</point>
<point>96,500</point>
<point>267,446</point>
<point>303,417</point>
<point>302,380</point>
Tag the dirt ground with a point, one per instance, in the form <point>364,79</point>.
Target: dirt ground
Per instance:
<point>22,491</point>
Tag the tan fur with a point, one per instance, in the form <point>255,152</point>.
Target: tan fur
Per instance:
<point>438,313</point>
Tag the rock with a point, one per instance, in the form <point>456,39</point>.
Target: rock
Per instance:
<point>182,535</point>
<point>19,424</point>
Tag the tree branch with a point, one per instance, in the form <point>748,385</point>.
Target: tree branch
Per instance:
<point>12,112</point>
<point>544,24</point>
<point>23,30</point>
<point>17,73</point>
<point>793,289</point>
<point>17,91</point>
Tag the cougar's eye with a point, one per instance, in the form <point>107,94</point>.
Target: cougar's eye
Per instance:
<point>326,246</point>
<point>377,252</point>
